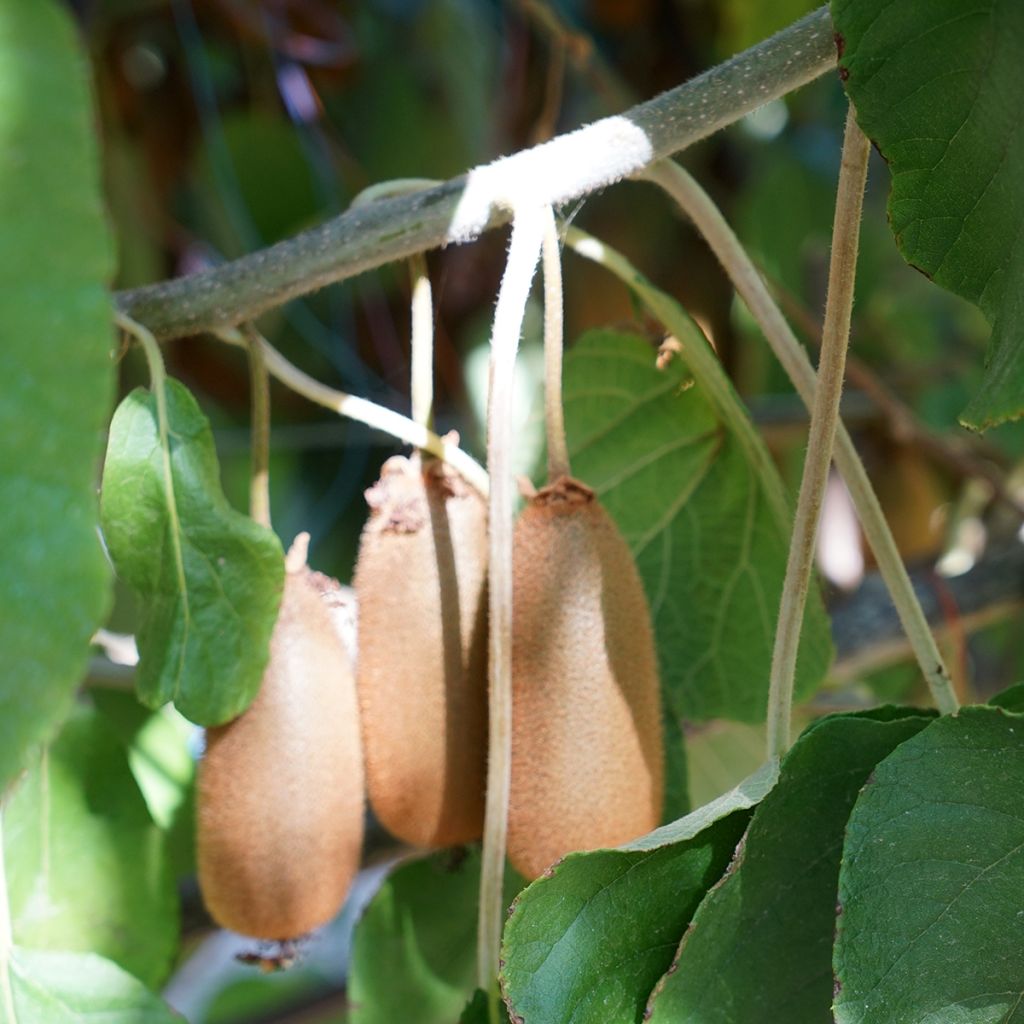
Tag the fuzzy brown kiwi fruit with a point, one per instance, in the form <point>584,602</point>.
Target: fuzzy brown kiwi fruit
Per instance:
<point>586,714</point>
<point>420,582</point>
<point>280,788</point>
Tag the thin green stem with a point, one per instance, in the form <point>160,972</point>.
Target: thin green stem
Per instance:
<point>523,254</point>
<point>363,411</point>
<point>824,418</point>
<point>422,343</point>
<point>554,417</point>
<point>697,205</point>
<point>259,397</point>
<point>380,232</point>
<point>158,385</point>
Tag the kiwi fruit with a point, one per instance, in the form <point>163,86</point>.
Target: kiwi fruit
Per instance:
<point>280,788</point>
<point>587,763</point>
<point>421,589</point>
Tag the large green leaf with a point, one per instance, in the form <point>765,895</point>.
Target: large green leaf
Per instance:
<point>85,863</point>
<point>759,948</point>
<point>73,988</point>
<point>587,942</point>
<point>56,374</point>
<point>414,954</point>
<point>930,924</point>
<point>939,88</point>
<point>706,534</point>
<point>209,579</point>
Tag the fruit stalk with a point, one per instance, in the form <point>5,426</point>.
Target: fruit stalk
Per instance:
<point>824,418</point>
<point>259,398</point>
<point>524,252</point>
<point>422,344</point>
<point>554,416</point>
<point>363,411</point>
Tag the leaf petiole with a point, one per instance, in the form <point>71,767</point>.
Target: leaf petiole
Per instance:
<point>824,418</point>
<point>158,385</point>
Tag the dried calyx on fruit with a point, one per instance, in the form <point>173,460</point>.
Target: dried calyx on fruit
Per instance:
<point>421,582</point>
<point>587,759</point>
<point>280,788</point>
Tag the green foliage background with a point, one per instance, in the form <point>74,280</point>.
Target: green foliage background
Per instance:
<point>176,134</point>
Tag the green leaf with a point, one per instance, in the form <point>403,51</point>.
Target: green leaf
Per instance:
<point>74,988</point>
<point>719,754</point>
<point>676,801</point>
<point>1011,699</point>
<point>161,759</point>
<point>57,376</point>
<point>699,512</point>
<point>588,941</point>
<point>86,866</point>
<point>414,954</point>
<point>939,88</point>
<point>746,794</point>
<point>759,948</point>
<point>158,751</point>
<point>207,616</point>
<point>930,925</point>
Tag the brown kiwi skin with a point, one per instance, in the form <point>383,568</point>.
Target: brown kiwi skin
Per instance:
<point>587,747</point>
<point>421,586</point>
<point>280,799</point>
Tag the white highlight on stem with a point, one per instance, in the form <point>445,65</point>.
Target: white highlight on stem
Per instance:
<point>524,251</point>
<point>555,172</point>
<point>363,410</point>
<point>422,343</point>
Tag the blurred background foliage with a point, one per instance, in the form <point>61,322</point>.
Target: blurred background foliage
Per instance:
<point>230,124</point>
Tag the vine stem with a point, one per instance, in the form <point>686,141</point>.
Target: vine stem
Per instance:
<point>362,410</point>
<point>158,385</point>
<point>422,343</point>
<point>835,340</point>
<point>528,229</point>
<point>554,415</point>
<point>259,473</point>
<point>697,205</point>
<point>560,170</point>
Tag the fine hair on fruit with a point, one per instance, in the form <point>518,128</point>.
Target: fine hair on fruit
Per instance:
<point>280,788</point>
<point>587,748</point>
<point>421,585</point>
